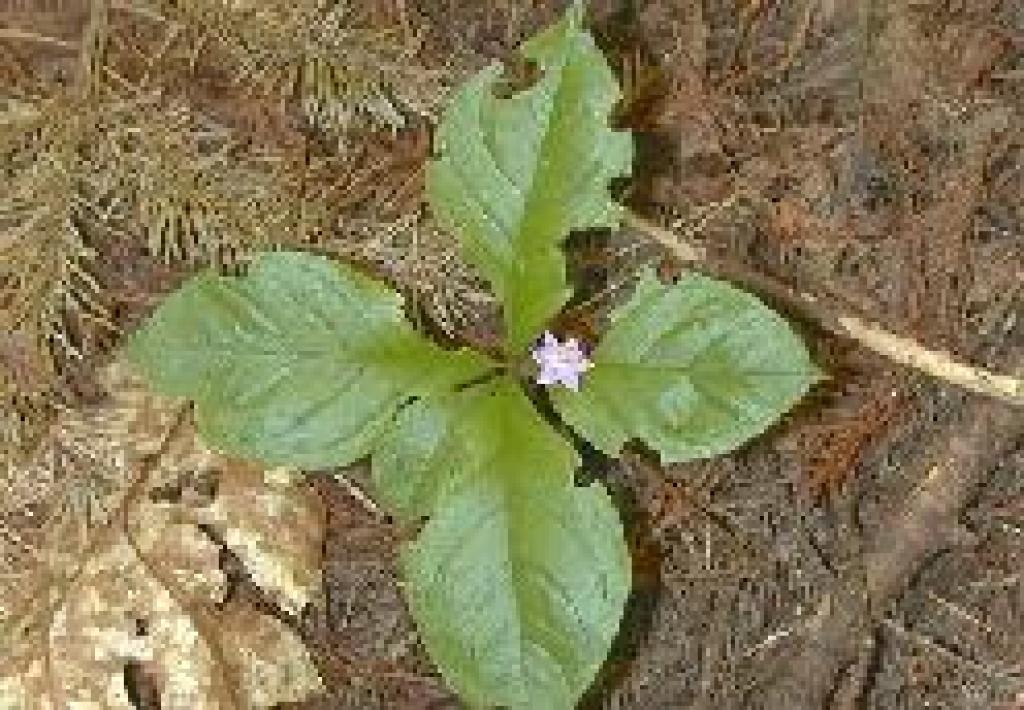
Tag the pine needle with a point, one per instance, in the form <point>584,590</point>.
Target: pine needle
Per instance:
<point>51,215</point>
<point>338,67</point>
<point>201,200</point>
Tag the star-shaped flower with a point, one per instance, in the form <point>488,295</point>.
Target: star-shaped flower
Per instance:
<point>560,363</point>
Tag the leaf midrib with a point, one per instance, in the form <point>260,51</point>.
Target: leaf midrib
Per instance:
<point>242,350</point>
<point>517,560</point>
<point>557,100</point>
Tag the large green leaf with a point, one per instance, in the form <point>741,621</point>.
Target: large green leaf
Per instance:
<point>422,453</point>
<point>519,579</point>
<point>515,175</point>
<point>302,361</point>
<point>694,370</point>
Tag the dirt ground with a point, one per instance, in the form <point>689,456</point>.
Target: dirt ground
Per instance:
<point>868,551</point>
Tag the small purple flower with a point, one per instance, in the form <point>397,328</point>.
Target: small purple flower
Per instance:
<point>560,363</point>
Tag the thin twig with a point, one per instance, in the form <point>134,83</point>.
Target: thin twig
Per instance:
<point>924,641</point>
<point>359,495</point>
<point>15,33</point>
<point>898,349</point>
<point>93,45</point>
<point>936,363</point>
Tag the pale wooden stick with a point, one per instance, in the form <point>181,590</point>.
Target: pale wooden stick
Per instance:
<point>936,363</point>
<point>904,351</point>
<point>16,34</point>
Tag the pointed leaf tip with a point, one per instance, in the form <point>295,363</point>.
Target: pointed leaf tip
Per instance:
<point>693,370</point>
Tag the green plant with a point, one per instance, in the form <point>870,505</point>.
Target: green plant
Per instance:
<point>519,577</point>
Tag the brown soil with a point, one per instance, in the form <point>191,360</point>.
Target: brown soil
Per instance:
<point>868,552</point>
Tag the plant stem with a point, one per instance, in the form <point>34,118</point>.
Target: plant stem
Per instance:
<point>904,351</point>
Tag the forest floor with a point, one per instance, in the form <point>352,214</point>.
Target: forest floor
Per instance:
<point>868,551</point>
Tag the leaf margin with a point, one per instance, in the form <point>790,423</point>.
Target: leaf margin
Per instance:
<point>593,419</point>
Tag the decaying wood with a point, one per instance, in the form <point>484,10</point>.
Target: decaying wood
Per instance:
<point>833,666</point>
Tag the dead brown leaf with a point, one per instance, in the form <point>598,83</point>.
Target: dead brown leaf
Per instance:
<point>275,527</point>
<point>143,585</point>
